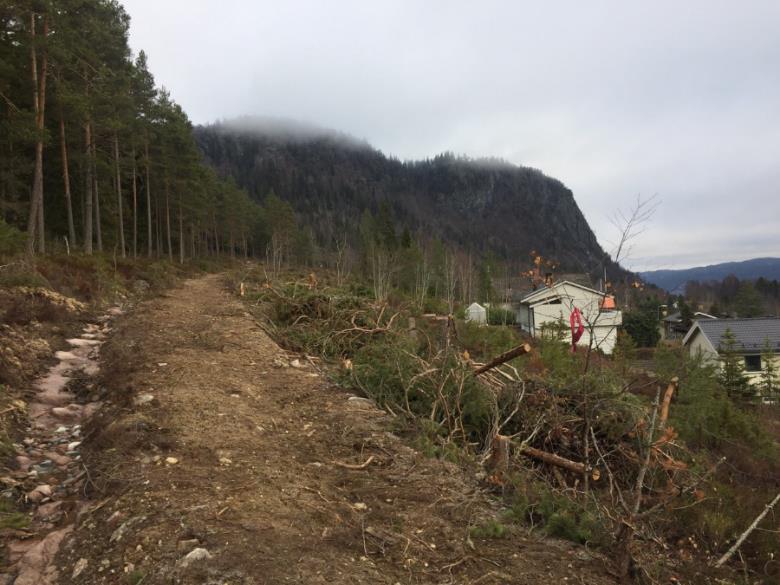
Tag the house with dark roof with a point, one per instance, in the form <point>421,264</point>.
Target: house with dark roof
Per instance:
<point>751,335</point>
<point>674,327</point>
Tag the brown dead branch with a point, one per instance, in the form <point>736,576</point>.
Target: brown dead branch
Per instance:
<point>613,485</point>
<point>365,330</point>
<point>553,459</point>
<point>504,357</point>
<point>353,466</point>
<point>670,390</point>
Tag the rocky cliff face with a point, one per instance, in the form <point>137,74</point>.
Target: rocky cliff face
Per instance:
<point>486,206</point>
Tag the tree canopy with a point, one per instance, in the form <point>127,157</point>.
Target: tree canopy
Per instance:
<point>95,156</point>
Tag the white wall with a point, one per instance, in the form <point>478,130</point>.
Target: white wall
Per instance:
<point>476,314</point>
<point>698,344</point>
<point>603,325</point>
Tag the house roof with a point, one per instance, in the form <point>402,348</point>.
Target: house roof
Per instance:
<point>677,317</point>
<point>513,288</point>
<point>750,334</point>
<point>517,288</point>
<point>540,293</point>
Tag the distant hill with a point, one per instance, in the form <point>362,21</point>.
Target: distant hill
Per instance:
<point>483,206</point>
<point>674,280</point>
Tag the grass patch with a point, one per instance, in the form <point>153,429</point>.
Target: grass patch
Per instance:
<point>135,577</point>
<point>10,517</point>
<point>490,529</point>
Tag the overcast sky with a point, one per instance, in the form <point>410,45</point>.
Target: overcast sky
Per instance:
<point>615,99</point>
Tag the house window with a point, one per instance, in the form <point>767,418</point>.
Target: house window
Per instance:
<point>753,363</point>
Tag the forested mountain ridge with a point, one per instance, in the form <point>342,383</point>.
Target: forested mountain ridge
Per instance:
<point>675,280</point>
<point>485,206</point>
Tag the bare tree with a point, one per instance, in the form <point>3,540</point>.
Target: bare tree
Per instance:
<point>631,224</point>
<point>422,277</point>
<point>450,279</point>
<point>381,263</point>
<point>342,259</point>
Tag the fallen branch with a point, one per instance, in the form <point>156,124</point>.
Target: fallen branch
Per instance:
<point>504,357</point>
<point>553,459</point>
<point>667,400</point>
<point>354,466</point>
<point>768,508</point>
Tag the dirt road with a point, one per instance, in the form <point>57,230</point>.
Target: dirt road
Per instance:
<point>220,461</point>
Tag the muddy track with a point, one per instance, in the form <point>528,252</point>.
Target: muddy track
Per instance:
<point>225,460</point>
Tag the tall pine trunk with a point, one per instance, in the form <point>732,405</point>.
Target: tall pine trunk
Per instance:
<point>148,197</point>
<point>88,189</point>
<point>181,233</point>
<point>119,195</point>
<point>193,251</point>
<point>35,221</point>
<point>96,197</point>
<point>158,226</point>
<point>135,207</point>
<point>66,181</point>
<point>216,235</point>
<point>168,219</point>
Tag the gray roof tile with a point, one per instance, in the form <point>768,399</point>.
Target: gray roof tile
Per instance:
<point>749,333</point>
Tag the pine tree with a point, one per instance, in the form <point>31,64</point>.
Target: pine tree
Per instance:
<point>748,302</point>
<point>732,373</point>
<point>70,90</point>
<point>769,382</point>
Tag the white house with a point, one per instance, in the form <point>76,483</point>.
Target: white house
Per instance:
<point>476,313</point>
<point>548,306</point>
<point>704,337</point>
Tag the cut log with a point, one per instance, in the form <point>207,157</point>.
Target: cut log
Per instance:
<point>553,459</point>
<point>499,454</point>
<point>503,358</point>
<point>667,400</point>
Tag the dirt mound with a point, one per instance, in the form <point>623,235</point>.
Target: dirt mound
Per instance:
<point>52,297</point>
<point>20,354</point>
<point>32,319</point>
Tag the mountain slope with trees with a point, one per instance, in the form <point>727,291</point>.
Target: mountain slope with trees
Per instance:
<point>487,206</point>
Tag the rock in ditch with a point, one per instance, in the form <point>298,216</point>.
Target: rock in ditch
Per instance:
<point>187,545</point>
<point>124,529</point>
<point>37,565</point>
<point>39,493</point>
<point>79,567</point>
<point>194,556</point>
<point>142,399</point>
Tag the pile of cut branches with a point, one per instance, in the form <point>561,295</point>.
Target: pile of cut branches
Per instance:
<point>528,412</point>
<point>327,323</point>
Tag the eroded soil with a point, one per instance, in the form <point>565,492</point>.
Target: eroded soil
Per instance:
<point>220,461</point>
